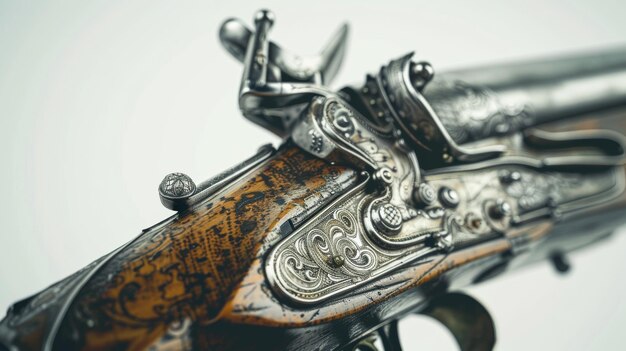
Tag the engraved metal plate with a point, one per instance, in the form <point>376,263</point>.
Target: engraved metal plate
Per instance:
<point>332,253</point>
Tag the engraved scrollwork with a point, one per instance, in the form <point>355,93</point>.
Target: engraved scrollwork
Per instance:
<point>308,263</point>
<point>361,137</point>
<point>333,253</point>
<point>470,112</point>
<point>418,121</point>
<point>535,190</point>
<point>494,198</point>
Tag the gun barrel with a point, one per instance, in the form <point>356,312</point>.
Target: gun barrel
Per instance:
<point>482,102</point>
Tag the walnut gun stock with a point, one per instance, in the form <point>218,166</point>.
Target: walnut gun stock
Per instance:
<point>381,201</point>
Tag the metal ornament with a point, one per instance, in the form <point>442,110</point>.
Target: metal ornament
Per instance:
<point>176,186</point>
<point>333,253</point>
<point>404,210</point>
<point>179,193</point>
<point>424,195</point>
<point>449,197</point>
<point>387,218</point>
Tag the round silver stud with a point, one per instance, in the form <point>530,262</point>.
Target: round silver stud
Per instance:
<point>509,177</point>
<point>421,73</point>
<point>424,195</point>
<point>449,197</point>
<point>337,261</point>
<point>384,175</point>
<point>342,121</point>
<point>500,210</point>
<point>177,186</point>
<point>387,218</point>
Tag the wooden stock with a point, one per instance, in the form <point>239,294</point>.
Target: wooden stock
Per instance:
<point>165,288</point>
<point>195,281</point>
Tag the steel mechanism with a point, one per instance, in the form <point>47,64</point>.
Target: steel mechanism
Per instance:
<point>444,164</point>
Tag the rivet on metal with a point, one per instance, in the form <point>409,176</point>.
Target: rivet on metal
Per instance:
<point>337,261</point>
<point>384,175</point>
<point>509,177</point>
<point>449,197</point>
<point>500,210</point>
<point>342,121</point>
<point>473,221</point>
<point>421,73</point>
<point>424,195</point>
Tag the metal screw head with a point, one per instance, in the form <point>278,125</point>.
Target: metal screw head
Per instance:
<point>387,218</point>
<point>449,197</point>
<point>342,121</point>
<point>337,261</point>
<point>500,210</point>
<point>402,145</point>
<point>473,221</point>
<point>177,186</point>
<point>384,176</point>
<point>509,177</point>
<point>424,195</point>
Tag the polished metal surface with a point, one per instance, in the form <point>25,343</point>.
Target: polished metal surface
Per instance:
<point>277,85</point>
<point>434,177</point>
<point>477,103</point>
<point>303,268</point>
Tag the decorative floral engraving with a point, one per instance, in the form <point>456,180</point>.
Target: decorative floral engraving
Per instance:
<point>536,190</point>
<point>332,254</point>
<point>308,263</point>
<point>471,112</point>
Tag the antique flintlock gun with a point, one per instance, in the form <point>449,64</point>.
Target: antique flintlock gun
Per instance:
<point>383,200</point>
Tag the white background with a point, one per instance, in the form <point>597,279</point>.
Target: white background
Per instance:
<point>99,100</point>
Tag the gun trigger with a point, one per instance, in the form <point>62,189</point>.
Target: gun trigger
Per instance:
<point>466,318</point>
